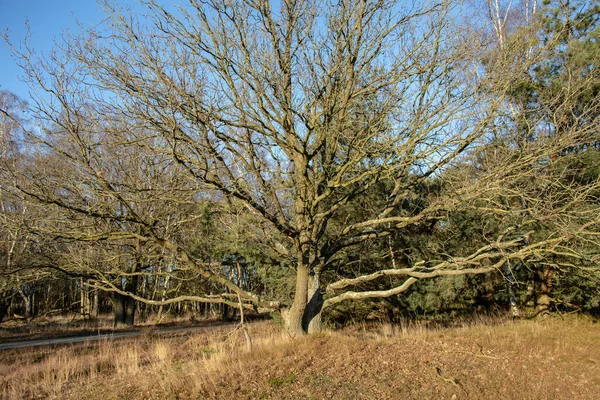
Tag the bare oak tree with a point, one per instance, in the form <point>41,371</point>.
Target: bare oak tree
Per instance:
<point>293,110</point>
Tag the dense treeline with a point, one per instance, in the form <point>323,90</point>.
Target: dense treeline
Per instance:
<point>363,159</point>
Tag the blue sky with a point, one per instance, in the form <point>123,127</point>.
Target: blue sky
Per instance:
<point>47,19</point>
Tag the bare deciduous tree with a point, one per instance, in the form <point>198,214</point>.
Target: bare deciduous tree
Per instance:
<point>293,110</point>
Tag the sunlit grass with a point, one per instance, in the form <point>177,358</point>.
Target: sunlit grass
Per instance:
<point>486,357</point>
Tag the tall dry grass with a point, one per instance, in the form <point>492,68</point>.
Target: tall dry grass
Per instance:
<point>482,357</point>
<point>51,372</point>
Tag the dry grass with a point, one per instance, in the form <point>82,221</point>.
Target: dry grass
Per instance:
<point>550,359</point>
<point>54,372</point>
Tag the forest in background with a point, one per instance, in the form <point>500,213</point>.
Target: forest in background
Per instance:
<point>322,161</point>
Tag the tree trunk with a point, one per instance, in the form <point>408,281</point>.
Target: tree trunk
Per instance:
<point>543,300</point>
<point>142,309</point>
<point>311,321</point>
<point>163,297</point>
<point>34,305</point>
<point>224,312</point>
<point>82,300</point>
<point>305,314</point>
<point>124,306</point>
<point>129,311</point>
<point>95,305</point>
<point>130,303</point>
<point>294,317</point>
<point>118,302</point>
<point>26,303</point>
<point>514,307</point>
<point>3,311</point>
<point>4,306</point>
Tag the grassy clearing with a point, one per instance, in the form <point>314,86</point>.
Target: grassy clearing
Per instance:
<point>550,359</point>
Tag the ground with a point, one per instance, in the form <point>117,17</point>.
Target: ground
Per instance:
<point>554,358</point>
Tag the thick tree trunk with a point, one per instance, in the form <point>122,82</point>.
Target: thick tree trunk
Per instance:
<point>124,306</point>
<point>129,311</point>
<point>543,299</point>
<point>4,306</point>
<point>26,303</point>
<point>3,311</point>
<point>294,317</point>
<point>130,303</point>
<point>123,310</point>
<point>311,320</point>
<point>118,303</point>
<point>305,314</point>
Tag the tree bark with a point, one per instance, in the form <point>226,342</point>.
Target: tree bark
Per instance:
<point>95,305</point>
<point>5,302</point>
<point>164,296</point>
<point>294,317</point>
<point>118,302</point>
<point>514,307</point>
<point>311,321</point>
<point>129,311</point>
<point>124,306</point>
<point>34,306</point>
<point>305,314</point>
<point>82,300</point>
<point>26,303</point>
<point>130,303</point>
<point>3,310</point>
<point>543,299</point>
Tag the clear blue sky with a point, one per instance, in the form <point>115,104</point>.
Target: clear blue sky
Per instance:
<point>47,19</point>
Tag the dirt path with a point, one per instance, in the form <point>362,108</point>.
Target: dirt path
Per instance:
<point>106,336</point>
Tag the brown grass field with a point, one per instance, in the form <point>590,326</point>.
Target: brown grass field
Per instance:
<point>496,358</point>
